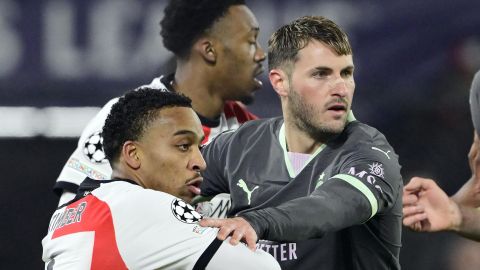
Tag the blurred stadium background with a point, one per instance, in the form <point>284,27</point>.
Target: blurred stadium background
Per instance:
<point>60,60</point>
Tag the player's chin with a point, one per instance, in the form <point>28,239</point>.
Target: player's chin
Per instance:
<point>187,195</point>
<point>248,98</point>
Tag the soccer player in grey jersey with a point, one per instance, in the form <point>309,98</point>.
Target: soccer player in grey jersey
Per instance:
<point>326,189</point>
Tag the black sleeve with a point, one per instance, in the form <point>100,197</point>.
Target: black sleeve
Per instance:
<point>363,186</point>
<point>336,206</point>
<point>214,176</point>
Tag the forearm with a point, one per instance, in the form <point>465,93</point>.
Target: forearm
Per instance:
<point>470,223</point>
<point>310,217</point>
<point>468,194</point>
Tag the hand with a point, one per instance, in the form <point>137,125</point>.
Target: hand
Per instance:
<point>427,208</point>
<point>241,229</point>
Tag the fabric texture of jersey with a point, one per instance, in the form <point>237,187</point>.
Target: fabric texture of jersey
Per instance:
<point>348,195</point>
<point>88,159</point>
<point>116,224</point>
<point>111,228</point>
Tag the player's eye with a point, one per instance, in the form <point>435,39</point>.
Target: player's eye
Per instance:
<point>183,147</point>
<point>347,73</point>
<point>321,73</point>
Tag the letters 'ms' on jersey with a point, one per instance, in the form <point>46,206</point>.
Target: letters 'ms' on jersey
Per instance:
<point>88,159</point>
<point>348,195</point>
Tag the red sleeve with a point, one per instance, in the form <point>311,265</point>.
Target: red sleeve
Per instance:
<point>238,110</point>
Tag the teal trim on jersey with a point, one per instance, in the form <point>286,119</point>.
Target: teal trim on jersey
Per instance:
<point>362,188</point>
<point>351,117</point>
<point>283,142</point>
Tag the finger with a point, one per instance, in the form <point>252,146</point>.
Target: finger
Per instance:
<point>224,232</point>
<point>413,210</point>
<point>212,222</point>
<point>251,240</point>
<point>409,199</point>
<point>236,237</point>
<point>411,220</point>
<point>415,184</point>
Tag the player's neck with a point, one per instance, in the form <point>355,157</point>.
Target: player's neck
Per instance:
<point>299,141</point>
<point>195,84</point>
<point>122,173</point>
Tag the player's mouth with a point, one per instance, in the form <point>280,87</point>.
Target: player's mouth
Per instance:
<point>193,185</point>
<point>258,71</point>
<point>337,108</point>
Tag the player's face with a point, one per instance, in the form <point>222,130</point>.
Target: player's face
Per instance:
<point>170,155</point>
<point>321,90</point>
<point>239,54</point>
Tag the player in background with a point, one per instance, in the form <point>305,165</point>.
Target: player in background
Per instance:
<point>218,59</point>
<point>427,208</point>
<point>324,188</point>
<point>141,218</point>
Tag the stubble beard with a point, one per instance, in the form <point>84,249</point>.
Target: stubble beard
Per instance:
<point>303,116</point>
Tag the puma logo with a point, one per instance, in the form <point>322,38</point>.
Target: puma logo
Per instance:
<point>244,186</point>
<point>378,149</point>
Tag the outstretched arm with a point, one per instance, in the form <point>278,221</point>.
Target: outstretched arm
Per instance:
<point>427,208</point>
<point>469,193</point>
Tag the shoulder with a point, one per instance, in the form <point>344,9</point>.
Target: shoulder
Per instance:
<point>239,111</point>
<point>360,141</point>
<point>358,135</point>
<point>125,194</point>
<point>252,131</point>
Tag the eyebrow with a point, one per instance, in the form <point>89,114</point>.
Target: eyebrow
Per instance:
<point>255,29</point>
<point>350,67</point>
<point>188,132</point>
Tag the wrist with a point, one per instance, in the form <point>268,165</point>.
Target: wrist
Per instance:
<point>456,216</point>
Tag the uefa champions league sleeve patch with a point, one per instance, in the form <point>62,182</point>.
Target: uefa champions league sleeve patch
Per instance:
<point>93,148</point>
<point>185,212</point>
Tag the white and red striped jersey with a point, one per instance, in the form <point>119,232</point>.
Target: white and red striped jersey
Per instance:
<point>117,224</point>
<point>88,159</point>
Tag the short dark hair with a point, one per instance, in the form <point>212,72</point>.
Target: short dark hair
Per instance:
<point>284,44</point>
<point>130,117</point>
<point>185,21</point>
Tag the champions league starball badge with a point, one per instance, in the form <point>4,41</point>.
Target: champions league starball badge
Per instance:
<point>185,212</point>
<point>93,148</point>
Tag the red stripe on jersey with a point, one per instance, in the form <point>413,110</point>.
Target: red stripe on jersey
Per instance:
<point>239,111</point>
<point>95,217</point>
<point>206,132</point>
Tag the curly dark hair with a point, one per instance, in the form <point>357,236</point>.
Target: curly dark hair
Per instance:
<point>130,117</point>
<point>185,21</point>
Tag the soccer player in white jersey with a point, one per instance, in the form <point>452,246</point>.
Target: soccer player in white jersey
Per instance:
<point>217,61</point>
<point>141,218</point>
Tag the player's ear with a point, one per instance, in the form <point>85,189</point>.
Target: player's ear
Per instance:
<point>279,80</point>
<point>205,47</point>
<point>130,153</point>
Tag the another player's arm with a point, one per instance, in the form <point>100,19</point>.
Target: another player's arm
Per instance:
<point>470,223</point>
<point>343,201</point>
<point>469,193</point>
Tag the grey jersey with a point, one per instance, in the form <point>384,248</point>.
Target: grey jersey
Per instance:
<point>342,211</point>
